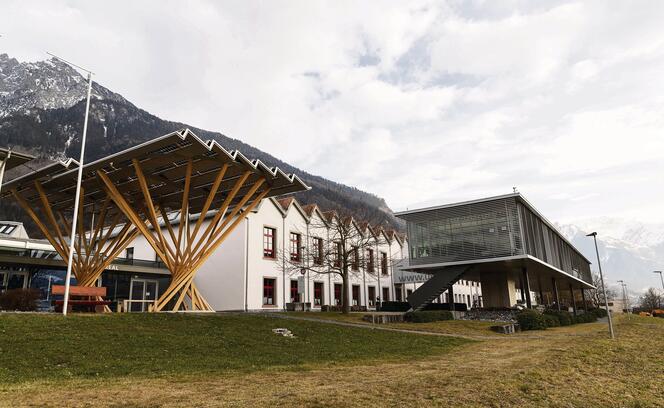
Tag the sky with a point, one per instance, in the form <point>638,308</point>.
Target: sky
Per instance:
<point>419,102</point>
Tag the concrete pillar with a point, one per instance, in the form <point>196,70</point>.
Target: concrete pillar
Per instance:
<point>541,292</point>
<point>450,296</point>
<point>525,288</point>
<point>583,297</point>
<point>498,289</point>
<point>571,292</point>
<point>554,284</point>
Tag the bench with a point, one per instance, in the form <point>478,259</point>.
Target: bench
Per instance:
<point>87,298</point>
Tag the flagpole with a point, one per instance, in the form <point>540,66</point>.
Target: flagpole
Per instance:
<point>75,220</point>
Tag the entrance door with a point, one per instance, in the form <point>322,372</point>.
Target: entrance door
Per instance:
<point>143,293</point>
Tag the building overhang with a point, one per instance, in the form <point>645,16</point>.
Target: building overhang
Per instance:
<point>534,265</point>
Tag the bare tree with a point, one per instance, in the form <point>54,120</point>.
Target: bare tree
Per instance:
<point>596,294</point>
<point>650,300</point>
<point>348,247</point>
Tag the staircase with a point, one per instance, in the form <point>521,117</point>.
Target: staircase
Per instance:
<point>434,287</point>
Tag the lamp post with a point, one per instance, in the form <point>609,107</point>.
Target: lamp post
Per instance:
<point>660,277</point>
<point>72,239</point>
<point>601,278</point>
<point>624,293</point>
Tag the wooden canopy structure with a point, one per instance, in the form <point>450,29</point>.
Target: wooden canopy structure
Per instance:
<point>138,191</point>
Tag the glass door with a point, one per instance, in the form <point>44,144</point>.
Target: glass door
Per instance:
<point>143,293</point>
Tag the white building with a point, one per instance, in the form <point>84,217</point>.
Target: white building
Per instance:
<point>246,274</point>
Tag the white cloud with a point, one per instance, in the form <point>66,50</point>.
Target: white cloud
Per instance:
<point>418,102</point>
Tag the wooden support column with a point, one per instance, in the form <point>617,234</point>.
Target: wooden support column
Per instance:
<point>571,292</point>
<point>184,251</point>
<point>554,284</point>
<point>95,249</point>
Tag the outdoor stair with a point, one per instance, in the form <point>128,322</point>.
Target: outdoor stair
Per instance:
<point>434,287</point>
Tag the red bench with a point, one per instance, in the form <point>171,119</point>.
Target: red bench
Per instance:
<point>87,298</point>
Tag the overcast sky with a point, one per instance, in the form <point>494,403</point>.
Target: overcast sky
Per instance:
<point>417,102</point>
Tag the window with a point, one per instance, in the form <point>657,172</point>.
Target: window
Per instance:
<point>355,263</point>
<point>269,242</point>
<point>469,302</point>
<point>129,253</point>
<point>383,263</point>
<point>295,247</point>
<point>370,260</point>
<point>386,295</point>
<point>356,295</point>
<point>269,291</point>
<point>337,294</point>
<point>318,251</point>
<point>318,293</point>
<point>408,293</point>
<point>397,292</point>
<point>337,255</point>
<point>294,294</point>
<point>372,296</point>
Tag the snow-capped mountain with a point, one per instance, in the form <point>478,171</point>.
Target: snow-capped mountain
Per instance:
<point>42,106</point>
<point>49,84</point>
<point>629,250</point>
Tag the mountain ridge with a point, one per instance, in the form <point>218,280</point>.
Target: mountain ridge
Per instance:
<point>42,107</point>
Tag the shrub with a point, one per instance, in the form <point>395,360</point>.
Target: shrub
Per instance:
<point>551,320</point>
<point>395,307</point>
<point>428,316</point>
<point>598,312</point>
<point>23,300</point>
<point>564,317</point>
<point>531,320</point>
<point>587,317</point>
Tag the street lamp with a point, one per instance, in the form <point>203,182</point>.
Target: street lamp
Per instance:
<point>72,239</point>
<point>624,293</point>
<point>660,277</point>
<point>601,278</point>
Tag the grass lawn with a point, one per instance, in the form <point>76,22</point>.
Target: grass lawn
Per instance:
<point>575,366</point>
<point>458,327</point>
<point>41,346</point>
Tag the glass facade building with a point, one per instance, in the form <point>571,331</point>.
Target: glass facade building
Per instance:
<point>500,227</point>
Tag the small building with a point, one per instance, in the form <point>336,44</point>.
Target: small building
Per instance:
<point>502,242</point>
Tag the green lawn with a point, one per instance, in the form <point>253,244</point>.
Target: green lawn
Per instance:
<point>457,327</point>
<point>44,347</point>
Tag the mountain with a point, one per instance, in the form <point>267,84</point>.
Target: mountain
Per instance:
<point>629,250</point>
<point>41,112</point>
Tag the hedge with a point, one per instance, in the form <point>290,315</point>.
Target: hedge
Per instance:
<point>564,317</point>
<point>531,320</point>
<point>394,307</point>
<point>23,300</point>
<point>427,316</point>
<point>598,312</point>
<point>551,320</point>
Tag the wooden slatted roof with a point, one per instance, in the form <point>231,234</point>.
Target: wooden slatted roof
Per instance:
<point>163,161</point>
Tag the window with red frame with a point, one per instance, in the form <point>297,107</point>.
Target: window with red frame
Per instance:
<point>372,296</point>
<point>386,295</point>
<point>356,295</point>
<point>269,291</point>
<point>295,247</point>
<point>370,260</point>
<point>355,264</point>
<point>269,242</point>
<point>337,294</point>
<point>338,254</point>
<point>318,293</point>
<point>383,263</point>
<point>294,295</point>
<point>318,251</point>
